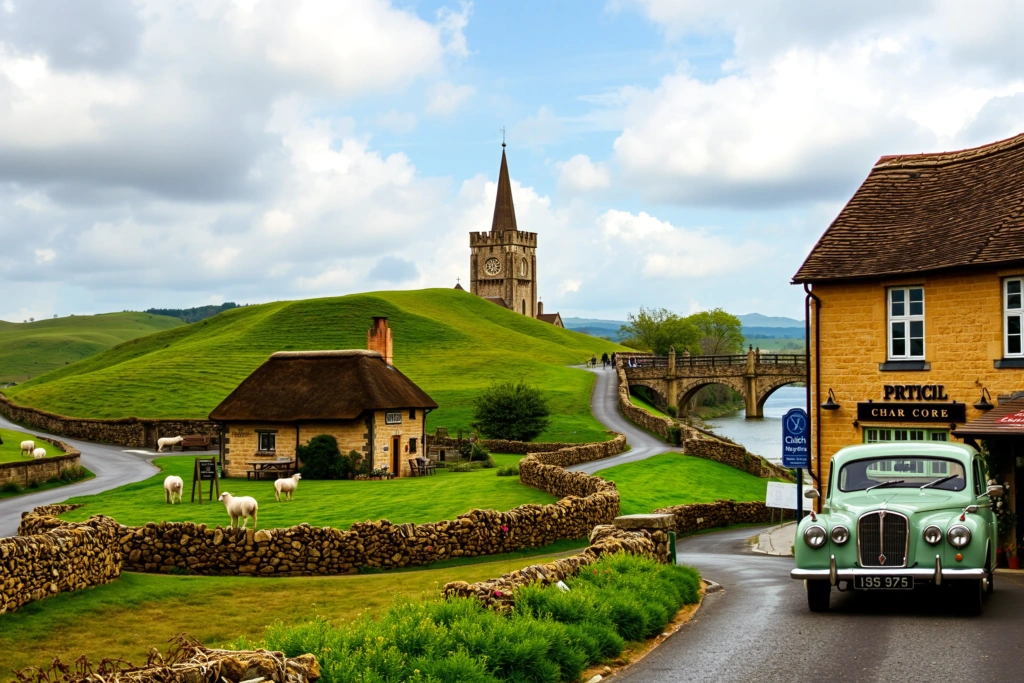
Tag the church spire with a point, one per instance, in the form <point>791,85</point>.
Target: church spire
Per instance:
<point>504,211</point>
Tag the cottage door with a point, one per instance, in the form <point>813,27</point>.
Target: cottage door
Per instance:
<point>396,455</point>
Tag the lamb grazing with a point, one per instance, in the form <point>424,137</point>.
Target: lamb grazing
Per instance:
<point>39,453</point>
<point>286,486</point>
<point>173,485</point>
<point>171,441</point>
<point>27,447</point>
<point>242,508</point>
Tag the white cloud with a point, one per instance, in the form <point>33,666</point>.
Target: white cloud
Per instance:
<point>397,122</point>
<point>579,175</point>
<point>45,255</point>
<point>543,128</point>
<point>447,97</point>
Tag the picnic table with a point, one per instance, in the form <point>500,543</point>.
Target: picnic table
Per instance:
<point>280,467</point>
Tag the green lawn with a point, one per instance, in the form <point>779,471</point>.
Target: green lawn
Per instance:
<point>30,349</point>
<point>451,343</point>
<point>125,617</point>
<point>320,503</point>
<point>637,401</point>
<point>678,479</point>
<point>10,449</point>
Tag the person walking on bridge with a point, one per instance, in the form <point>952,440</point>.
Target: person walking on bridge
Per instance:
<point>604,359</point>
<point>593,360</point>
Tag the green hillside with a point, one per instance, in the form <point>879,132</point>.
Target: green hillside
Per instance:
<point>30,349</point>
<point>451,343</point>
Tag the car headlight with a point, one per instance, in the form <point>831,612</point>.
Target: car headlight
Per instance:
<point>958,535</point>
<point>933,535</point>
<point>840,534</point>
<point>815,536</point>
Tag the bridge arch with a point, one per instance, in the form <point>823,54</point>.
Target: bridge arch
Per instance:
<point>766,386</point>
<point>686,390</point>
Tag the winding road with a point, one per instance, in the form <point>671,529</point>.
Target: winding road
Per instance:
<point>604,403</point>
<point>759,629</point>
<point>112,465</point>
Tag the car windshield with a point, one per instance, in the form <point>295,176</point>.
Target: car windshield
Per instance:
<point>903,472</point>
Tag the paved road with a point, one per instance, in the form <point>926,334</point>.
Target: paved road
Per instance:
<point>759,629</point>
<point>111,464</point>
<point>604,403</point>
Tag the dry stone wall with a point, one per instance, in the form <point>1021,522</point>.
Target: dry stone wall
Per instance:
<point>699,516</point>
<point>736,456</point>
<point>502,445</point>
<point>38,470</point>
<point>129,431</point>
<point>63,557</point>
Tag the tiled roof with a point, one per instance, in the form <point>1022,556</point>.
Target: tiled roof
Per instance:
<point>504,210</point>
<point>552,318</point>
<point>496,300</point>
<point>926,212</point>
<point>1006,419</point>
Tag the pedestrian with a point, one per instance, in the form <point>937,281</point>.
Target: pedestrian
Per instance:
<point>604,359</point>
<point>593,360</point>
<point>613,358</point>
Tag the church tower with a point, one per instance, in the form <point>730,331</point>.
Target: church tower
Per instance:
<point>503,264</point>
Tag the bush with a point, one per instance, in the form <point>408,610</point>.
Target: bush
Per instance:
<point>11,487</point>
<point>515,411</point>
<point>478,452</point>
<point>673,411</point>
<point>463,466</point>
<point>321,459</point>
<point>675,436</point>
<point>73,474</point>
<point>548,636</point>
<point>509,470</point>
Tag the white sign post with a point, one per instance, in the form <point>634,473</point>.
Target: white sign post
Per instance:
<point>782,496</point>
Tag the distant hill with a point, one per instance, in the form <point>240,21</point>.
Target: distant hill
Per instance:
<point>450,342</point>
<point>758,320</point>
<point>193,315</point>
<point>31,349</point>
<point>755,326</point>
<point>595,327</point>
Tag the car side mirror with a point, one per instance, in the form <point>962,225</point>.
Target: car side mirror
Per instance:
<point>995,491</point>
<point>812,494</point>
<point>971,509</point>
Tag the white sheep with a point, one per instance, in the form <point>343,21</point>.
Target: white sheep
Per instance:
<point>242,508</point>
<point>39,453</point>
<point>173,485</point>
<point>27,447</point>
<point>171,441</point>
<point>286,486</point>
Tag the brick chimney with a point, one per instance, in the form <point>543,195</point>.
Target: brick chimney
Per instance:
<point>540,308</point>
<point>378,337</point>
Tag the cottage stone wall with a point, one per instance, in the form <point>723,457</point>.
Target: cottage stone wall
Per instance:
<point>407,429</point>
<point>61,557</point>
<point>129,431</point>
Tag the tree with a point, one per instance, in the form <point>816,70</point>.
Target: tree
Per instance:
<point>721,333</point>
<point>516,411</point>
<point>657,329</point>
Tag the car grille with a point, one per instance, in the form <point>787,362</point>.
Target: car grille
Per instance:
<point>882,539</point>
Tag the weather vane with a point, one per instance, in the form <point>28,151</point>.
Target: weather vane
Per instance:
<point>503,136</point>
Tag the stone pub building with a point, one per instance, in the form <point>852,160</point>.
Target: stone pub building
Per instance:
<point>356,396</point>
<point>915,309</point>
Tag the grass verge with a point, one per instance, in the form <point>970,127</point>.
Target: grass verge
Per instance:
<point>10,449</point>
<point>53,483</point>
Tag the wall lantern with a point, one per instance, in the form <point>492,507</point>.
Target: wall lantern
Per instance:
<point>986,401</point>
<point>830,402</point>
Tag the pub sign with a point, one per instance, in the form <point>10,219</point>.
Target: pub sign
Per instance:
<point>943,413</point>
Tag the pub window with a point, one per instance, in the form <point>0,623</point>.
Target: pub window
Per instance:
<point>412,445</point>
<point>1014,315</point>
<point>412,413</point>
<point>393,418</point>
<point>906,322</point>
<point>888,435</point>
<point>267,441</point>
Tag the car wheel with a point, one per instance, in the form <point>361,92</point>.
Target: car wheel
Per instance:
<point>971,593</point>
<point>818,595</point>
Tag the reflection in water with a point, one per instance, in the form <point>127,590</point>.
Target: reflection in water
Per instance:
<point>763,437</point>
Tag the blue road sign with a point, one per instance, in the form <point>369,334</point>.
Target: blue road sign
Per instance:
<point>796,438</point>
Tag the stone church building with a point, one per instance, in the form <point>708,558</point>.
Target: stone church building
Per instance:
<point>503,264</point>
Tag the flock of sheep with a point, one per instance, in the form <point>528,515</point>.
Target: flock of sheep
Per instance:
<point>29,448</point>
<point>241,508</point>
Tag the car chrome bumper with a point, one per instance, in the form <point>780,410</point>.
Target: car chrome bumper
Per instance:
<point>938,573</point>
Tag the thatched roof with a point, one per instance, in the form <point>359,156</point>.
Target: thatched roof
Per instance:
<point>320,385</point>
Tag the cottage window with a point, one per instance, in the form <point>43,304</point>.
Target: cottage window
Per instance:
<point>412,445</point>
<point>906,323</point>
<point>267,441</point>
<point>412,413</point>
<point>393,418</point>
<point>1014,316</point>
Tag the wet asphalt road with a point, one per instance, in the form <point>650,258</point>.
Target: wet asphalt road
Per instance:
<point>604,403</point>
<point>759,629</point>
<point>112,465</point>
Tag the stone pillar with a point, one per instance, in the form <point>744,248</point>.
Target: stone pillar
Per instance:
<point>670,379</point>
<point>657,526</point>
<point>750,384</point>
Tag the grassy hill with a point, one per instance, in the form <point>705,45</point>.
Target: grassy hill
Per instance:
<point>31,349</point>
<point>451,343</point>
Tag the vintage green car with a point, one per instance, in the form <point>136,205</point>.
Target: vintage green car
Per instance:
<point>899,517</point>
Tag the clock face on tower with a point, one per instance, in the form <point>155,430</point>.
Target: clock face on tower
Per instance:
<point>492,266</point>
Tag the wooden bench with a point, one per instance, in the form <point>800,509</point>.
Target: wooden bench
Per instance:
<point>195,441</point>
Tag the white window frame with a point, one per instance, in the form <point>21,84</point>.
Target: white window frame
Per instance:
<point>1009,313</point>
<point>393,417</point>
<point>259,442</point>
<point>906,319</point>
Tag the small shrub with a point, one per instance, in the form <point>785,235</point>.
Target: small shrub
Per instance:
<point>488,463</point>
<point>321,459</point>
<point>675,435</point>
<point>72,474</point>
<point>478,452</point>
<point>11,487</point>
<point>516,411</point>
<point>673,411</point>
<point>509,470</point>
<point>33,485</point>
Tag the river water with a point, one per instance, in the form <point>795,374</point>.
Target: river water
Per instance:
<point>762,437</point>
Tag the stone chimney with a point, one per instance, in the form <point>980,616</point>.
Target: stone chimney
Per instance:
<point>540,308</point>
<point>378,337</point>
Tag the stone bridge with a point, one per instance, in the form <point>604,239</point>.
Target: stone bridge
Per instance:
<point>674,380</point>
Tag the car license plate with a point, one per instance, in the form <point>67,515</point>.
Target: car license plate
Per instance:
<point>883,583</point>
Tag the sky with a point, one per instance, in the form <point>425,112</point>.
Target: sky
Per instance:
<point>684,154</point>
